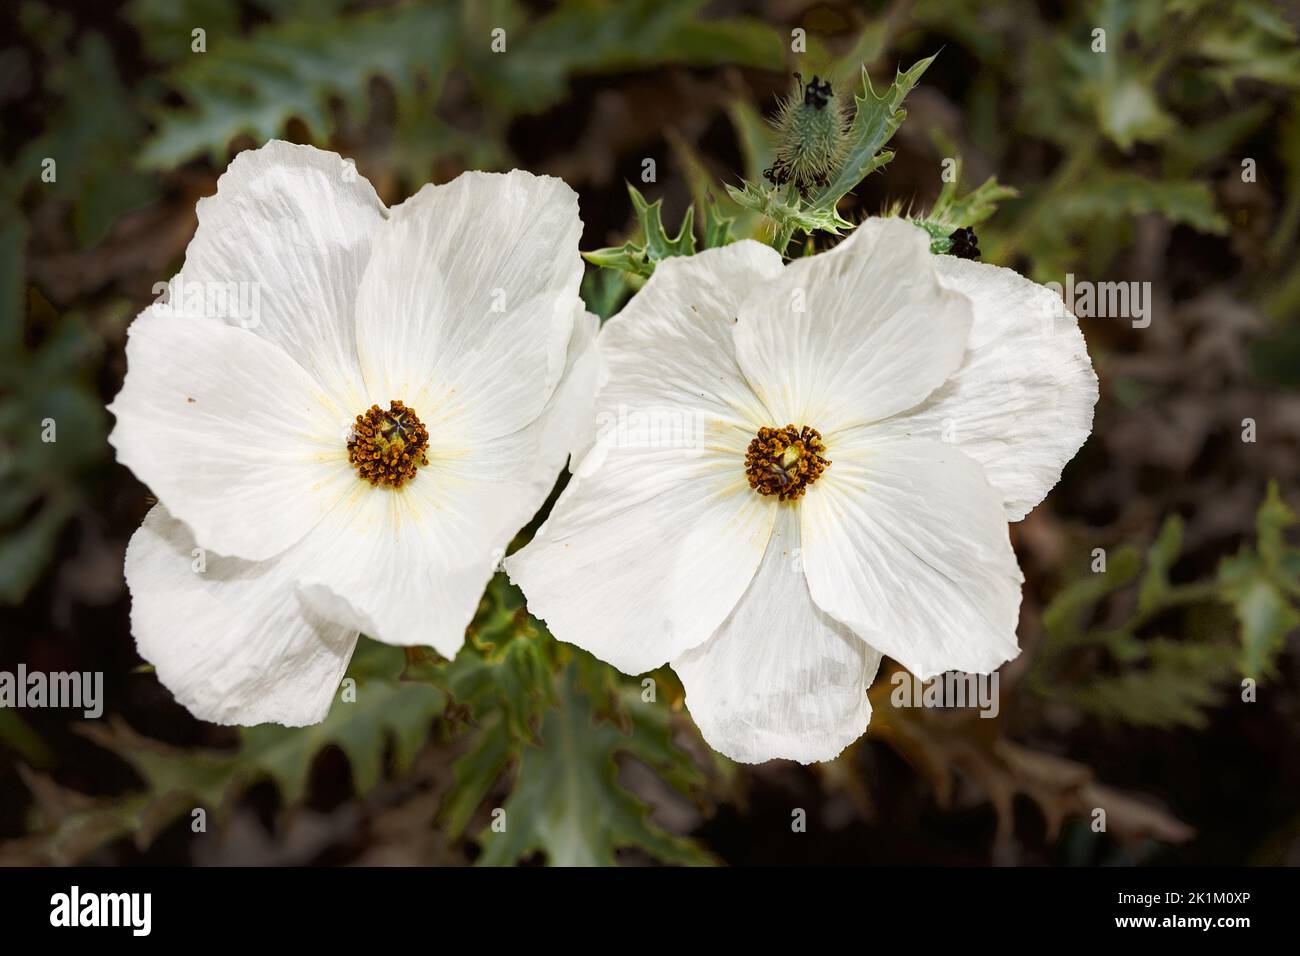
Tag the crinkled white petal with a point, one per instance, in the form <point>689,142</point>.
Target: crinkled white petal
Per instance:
<point>407,566</point>
<point>466,313</point>
<point>467,307</point>
<point>906,543</point>
<point>855,334</point>
<point>780,678</point>
<point>235,437</point>
<point>669,358</point>
<point>537,454</point>
<point>567,424</point>
<point>231,639</point>
<point>280,249</point>
<point>643,556</point>
<point>657,534</point>
<point>1021,403</point>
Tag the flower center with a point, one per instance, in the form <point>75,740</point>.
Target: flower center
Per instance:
<point>785,461</point>
<point>388,446</point>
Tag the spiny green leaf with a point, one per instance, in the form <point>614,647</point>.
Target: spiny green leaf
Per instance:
<point>1161,557</point>
<point>1249,40</point>
<point>1122,195</point>
<point>1128,112</point>
<point>954,210</point>
<point>1258,584</point>
<point>599,36</point>
<point>874,124</point>
<point>92,138</point>
<point>386,709</point>
<point>1197,146</point>
<point>1265,615</point>
<point>782,205</point>
<point>1163,682</point>
<point>976,206</point>
<point>604,290</point>
<point>659,245</point>
<point>567,802</point>
<point>629,257</point>
<point>509,681</point>
<point>47,386</point>
<point>1271,522</point>
<point>294,69</point>
<point>66,826</point>
<point>717,227</point>
<point>1178,681</point>
<point>209,777</point>
<point>640,258</point>
<point>165,27</point>
<point>474,773</point>
<point>1063,615</point>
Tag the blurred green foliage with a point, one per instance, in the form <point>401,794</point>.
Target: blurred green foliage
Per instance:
<point>52,425</point>
<point>1118,117</point>
<point>93,134</point>
<point>543,732</point>
<point>309,60</point>
<point>1169,655</point>
<point>514,698</point>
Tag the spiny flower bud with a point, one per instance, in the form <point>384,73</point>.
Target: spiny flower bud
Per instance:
<point>811,128</point>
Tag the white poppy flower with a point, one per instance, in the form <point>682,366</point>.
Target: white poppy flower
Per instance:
<point>346,412</point>
<point>798,468</point>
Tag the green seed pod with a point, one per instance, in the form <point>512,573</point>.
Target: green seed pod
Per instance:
<point>811,132</point>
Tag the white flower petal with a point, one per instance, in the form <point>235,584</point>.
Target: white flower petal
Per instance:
<point>568,422</point>
<point>223,426</point>
<point>644,556</point>
<point>1021,403</point>
<point>657,534</point>
<point>408,566</point>
<point>232,640</point>
<point>594,372</point>
<point>467,307</point>
<point>289,234</point>
<point>906,543</point>
<point>670,354</point>
<point>780,678</point>
<point>855,334</point>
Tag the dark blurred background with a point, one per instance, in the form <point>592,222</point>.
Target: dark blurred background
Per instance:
<point>1171,158</point>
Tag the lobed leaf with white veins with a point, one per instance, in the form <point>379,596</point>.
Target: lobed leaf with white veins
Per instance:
<point>566,801</point>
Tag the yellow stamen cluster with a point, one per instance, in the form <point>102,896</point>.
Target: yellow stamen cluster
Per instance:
<point>388,446</point>
<point>785,461</point>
